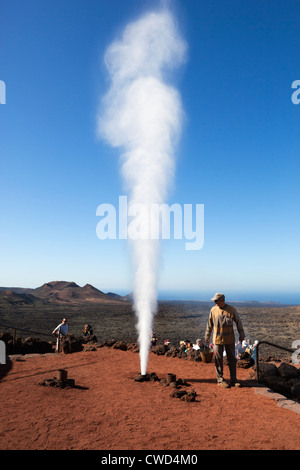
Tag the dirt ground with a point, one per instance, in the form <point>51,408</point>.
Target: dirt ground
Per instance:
<point>108,410</point>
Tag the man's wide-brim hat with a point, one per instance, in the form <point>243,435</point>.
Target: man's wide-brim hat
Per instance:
<point>218,296</point>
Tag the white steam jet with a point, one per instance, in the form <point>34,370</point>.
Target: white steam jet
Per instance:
<point>142,115</point>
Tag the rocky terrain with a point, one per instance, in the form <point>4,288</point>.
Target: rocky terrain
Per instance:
<point>102,407</point>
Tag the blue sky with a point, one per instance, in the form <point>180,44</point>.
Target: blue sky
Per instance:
<point>238,153</point>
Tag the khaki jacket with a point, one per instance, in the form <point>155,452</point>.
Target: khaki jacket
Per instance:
<point>221,320</point>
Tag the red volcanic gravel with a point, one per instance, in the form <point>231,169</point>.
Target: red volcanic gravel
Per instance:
<point>108,410</point>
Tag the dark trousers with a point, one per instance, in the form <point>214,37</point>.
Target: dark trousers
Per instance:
<point>230,353</point>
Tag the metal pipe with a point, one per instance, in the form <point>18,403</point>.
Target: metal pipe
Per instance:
<point>27,331</point>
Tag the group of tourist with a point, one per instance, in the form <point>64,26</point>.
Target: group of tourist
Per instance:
<point>245,346</point>
<point>187,346</point>
<point>62,331</point>
<point>240,347</point>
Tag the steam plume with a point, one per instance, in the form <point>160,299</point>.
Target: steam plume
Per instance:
<point>142,115</point>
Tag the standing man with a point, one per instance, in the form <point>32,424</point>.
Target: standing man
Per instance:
<point>60,331</point>
<point>221,319</point>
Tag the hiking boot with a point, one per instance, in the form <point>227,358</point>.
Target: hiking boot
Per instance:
<point>223,384</point>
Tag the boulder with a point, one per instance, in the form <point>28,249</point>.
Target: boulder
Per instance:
<point>34,346</point>
<point>173,384</point>
<point>294,385</point>
<point>172,352</point>
<point>182,383</point>
<point>109,344</point>
<point>90,339</point>
<point>287,371</point>
<point>245,355</point>
<point>246,363</point>
<point>142,378</point>
<point>194,355</point>
<point>147,378</point>
<point>189,396</point>
<point>295,388</point>
<point>178,393</point>
<point>120,345</point>
<point>75,345</point>
<point>182,355</point>
<point>89,347</point>
<point>277,384</point>
<point>184,395</point>
<point>267,369</point>
<point>69,383</point>
<point>6,337</point>
<point>133,347</point>
<point>153,377</point>
<point>284,379</point>
<point>160,349</point>
<point>163,382</point>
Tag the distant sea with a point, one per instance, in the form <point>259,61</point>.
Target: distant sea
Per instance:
<point>290,298</point>
<point>287,298</point>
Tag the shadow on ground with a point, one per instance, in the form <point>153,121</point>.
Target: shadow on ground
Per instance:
<point>5,368</point>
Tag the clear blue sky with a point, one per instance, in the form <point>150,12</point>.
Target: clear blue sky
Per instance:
<point>238,154</point>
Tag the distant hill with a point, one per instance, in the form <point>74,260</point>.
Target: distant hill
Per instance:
<point>12,298</point>
<point>17,290</point>
<point>116,296</point>
<point>128,297</point>
<point>59,292</point>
